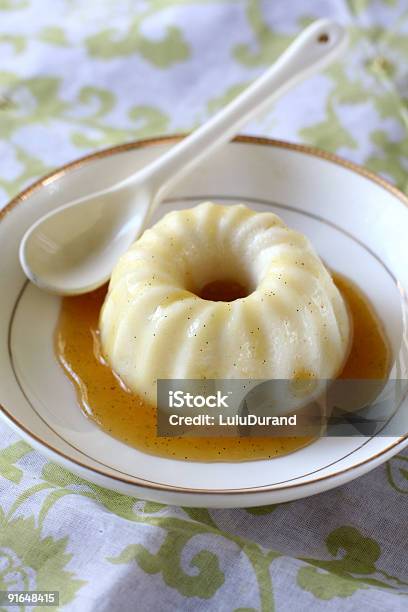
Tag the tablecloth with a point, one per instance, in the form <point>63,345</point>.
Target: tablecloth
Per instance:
<point>76,76</point>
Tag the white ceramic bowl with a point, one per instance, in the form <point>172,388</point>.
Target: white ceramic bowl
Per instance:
<point>359,225</point>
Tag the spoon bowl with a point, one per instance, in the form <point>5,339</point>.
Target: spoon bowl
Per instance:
<point>79,245</point>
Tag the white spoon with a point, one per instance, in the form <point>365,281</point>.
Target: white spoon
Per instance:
<point>74,249</point>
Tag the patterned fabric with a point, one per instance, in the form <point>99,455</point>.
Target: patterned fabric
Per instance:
<point>76,76</point>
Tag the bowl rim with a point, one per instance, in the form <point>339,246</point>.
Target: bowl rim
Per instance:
<point>173,138</point>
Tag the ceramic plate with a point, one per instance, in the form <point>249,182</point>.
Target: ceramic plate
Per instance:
<point>357,222</point>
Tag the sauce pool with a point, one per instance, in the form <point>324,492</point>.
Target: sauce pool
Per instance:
<point>103,397</point>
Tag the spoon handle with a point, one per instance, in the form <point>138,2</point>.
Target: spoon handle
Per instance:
<point>313,49</point>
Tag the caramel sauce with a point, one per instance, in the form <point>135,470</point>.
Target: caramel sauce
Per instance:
<point>223,291</point>
<point>369,356</point>
<point>103,397</point>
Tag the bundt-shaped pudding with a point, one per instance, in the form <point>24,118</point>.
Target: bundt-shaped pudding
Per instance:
<point>158,321</point>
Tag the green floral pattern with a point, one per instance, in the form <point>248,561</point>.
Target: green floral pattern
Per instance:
<point>76,76</point>
<point>30,561</point>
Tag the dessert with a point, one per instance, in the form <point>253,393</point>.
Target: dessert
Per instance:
<point>219,292</point>
<point>103,398</point>
<point>159,319</point>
